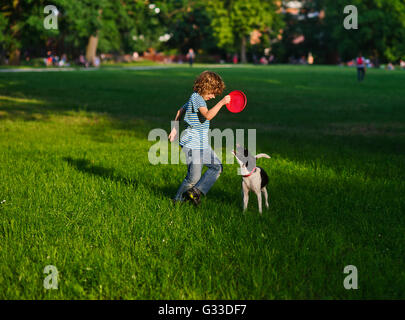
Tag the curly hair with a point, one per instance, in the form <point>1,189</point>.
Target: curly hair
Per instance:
<point>209,82</point>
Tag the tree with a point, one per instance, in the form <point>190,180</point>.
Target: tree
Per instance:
<point>80,24</point>
<point>234,20</point>
<point>305,31</point>
<point>380,33</point>
<point>188,24</point>
<point>21,26</point>
<point>111,25</point>
<point>86,25</point>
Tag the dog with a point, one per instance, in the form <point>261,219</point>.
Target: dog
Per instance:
<point>253,178</point>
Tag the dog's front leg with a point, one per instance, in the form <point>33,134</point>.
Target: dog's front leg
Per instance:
<point>245,195</point>
<point>259,200</point>
<point>264,190</point>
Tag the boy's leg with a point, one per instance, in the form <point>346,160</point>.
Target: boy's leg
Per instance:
<point>194,167</point>
<point>361,74</point>
<point>214,165</point>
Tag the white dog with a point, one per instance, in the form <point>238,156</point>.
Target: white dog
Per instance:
<point>253,178</point>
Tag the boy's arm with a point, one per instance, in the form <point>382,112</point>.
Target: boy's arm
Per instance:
<point>179,115</point>
<point>211,113</point>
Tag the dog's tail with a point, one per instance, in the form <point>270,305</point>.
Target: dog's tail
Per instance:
<point>262,155</point>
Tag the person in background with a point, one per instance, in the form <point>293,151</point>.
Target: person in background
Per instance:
<point>255,60</point>
<point>310,59</point>
<point>361,67</point>
<point>402,64</point>
<point>63,60</point>
<point>96,62</point>
<point>55,61</point>
<point>190,56</point>
<point>49,58</point>
<point>83,61</point>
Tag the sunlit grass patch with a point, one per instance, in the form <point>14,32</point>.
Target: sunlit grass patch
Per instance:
<point>17,100</point>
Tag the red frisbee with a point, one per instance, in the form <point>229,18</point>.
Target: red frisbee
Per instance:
<point>238,101</point>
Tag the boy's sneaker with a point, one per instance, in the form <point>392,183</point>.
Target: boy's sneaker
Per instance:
<point>194,195</point>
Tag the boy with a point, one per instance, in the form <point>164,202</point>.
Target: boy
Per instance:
<point>194,141</point>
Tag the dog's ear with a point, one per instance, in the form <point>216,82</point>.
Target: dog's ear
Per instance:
<point>262,155</point>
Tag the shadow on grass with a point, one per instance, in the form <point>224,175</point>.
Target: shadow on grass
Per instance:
<point>12,108</point>
<point>167,192</point>
<point>88,167</point>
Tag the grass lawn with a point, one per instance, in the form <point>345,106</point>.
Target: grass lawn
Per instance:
<point>80,193</point>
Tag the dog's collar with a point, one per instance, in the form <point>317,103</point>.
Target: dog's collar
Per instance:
<point>251,172</point>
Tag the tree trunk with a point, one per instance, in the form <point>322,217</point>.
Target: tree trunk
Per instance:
<point>15,57</point>
<point>91,49</point>
<point>243,58</point>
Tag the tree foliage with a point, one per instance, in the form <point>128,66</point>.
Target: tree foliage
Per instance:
<point>380,33</point>
<point>210,26</point>
<point>21,26</point>
<point>234,20</point>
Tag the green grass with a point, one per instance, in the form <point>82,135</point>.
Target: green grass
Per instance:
<point>112,64</point>
<point>81,195</point>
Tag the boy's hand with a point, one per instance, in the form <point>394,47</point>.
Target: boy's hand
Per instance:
<point>172,135</point>
<point>225,100</point>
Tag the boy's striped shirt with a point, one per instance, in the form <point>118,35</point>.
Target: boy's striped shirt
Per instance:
<point>196,134</point>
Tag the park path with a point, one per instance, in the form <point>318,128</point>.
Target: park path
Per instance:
<point>64,69</point>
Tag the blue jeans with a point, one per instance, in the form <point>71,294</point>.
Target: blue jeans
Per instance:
<point>195,160</point>
<point>360,74</point>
